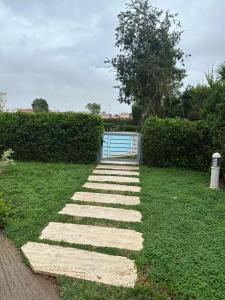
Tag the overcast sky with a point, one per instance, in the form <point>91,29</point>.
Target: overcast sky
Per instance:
<point>55,49</point>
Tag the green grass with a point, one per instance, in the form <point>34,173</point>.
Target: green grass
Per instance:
<point>183,227</point>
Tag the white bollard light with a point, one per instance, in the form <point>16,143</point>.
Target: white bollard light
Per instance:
<point>215,171</point>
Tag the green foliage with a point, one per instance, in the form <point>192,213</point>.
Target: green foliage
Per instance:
<point>137,113</point>
<point>70,137</point>
<point>4,212</point>
<point>192,101</point>
<point>40,105</point>
<point>214,108</point>
<point>6,160</point>
<point>146,66</point>
<point>176,142</point>
<point>94,108</point>
<point>120,125</point>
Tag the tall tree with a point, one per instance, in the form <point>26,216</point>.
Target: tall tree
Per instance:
<point>146,66</point>
<point>93,108</point>
<point>192,101</point>
<point>214,108</point>
<point>40,105</point>
<point>136,113</point>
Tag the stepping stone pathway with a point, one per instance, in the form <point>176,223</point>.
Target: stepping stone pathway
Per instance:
<point>113,162</point>
<point>116,172</point>
<point>113,179</point>
<point>106,198</point>
<point>93,235</point>
<point>91,265</point>
<point>99,212</point>
<point>114,167</point>
<point>112,187</point>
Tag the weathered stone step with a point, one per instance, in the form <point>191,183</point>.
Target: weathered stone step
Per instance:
<point>114,167</point>
<point>118,162</point>
<point>93,235</point>
<point>99,212</point>
<point>116,172</point>
<point>106,198</point>
<point>112,187</point>
<point>117,179</point>
<point>98,267</point>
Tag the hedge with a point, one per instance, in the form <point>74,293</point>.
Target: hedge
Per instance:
<point>176,142</point>
<point>51,137</point>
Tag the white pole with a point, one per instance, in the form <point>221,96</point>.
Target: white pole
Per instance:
<point>215,171</point>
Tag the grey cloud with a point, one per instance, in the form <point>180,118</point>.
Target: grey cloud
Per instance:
<point>56,49</point>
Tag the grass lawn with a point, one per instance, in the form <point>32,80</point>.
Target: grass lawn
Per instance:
<point>183,227</point>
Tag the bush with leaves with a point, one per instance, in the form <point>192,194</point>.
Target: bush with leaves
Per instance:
<point>51,137</point>
<point>4,212</point>
<point>6,160</point>
<point>176,142</point>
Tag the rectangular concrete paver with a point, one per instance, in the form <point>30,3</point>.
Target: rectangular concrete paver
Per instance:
<point>117,162</point>
<point>117,179</point>
<point>98,267</point>
<point>116,172</point>
<point>112,187</point>
<point>106,198</point>
<point>99,212</point>
<point>93,235</point>
<point>114,167</point>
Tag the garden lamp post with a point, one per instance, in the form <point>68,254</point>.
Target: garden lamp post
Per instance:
<point>215,171</point>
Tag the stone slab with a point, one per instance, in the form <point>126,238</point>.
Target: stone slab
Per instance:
<point>112,187</point>
<point>116,172</point>
<point>118,162</point>
<point>93,235</point>
<point>76,263</point>
<point>117,179</point>
<point>99,212</point>
<point>115,167</point>
<point>106,198</point>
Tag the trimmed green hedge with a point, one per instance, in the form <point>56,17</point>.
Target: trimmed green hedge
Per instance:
<point>176,142</point>
<point>51,137</point>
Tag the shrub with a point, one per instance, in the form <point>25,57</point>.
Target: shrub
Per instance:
<point>49,137</point>
<point>176,142</point>
<point>6,160</point>
<point>4,212</point>
<point>218,140</point>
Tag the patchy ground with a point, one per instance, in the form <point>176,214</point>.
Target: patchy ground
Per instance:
<point>17,281</point>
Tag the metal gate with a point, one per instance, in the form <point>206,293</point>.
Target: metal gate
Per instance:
<point>121,146</point>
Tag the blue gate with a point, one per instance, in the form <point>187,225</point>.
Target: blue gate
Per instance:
<point>121,146</point>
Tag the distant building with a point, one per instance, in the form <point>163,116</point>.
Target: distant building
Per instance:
<point>28,110</point>
<point>106,115</point>
<point>3,100</point>
<point>116,116</point>
<point>125,116</point>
